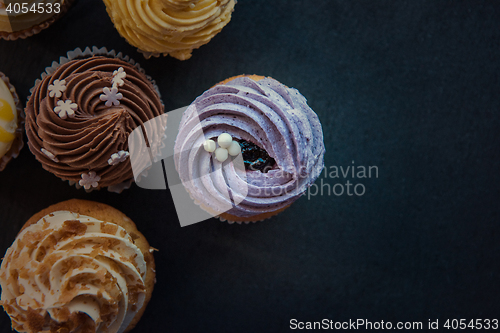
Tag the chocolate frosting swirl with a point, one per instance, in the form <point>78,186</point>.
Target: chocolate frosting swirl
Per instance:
<point>267,114</point>
<point>84,143</point>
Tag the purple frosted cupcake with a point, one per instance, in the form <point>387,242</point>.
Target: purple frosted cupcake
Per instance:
<point>271,125</point>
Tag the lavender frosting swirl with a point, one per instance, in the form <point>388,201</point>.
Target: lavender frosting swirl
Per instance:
<point>72,147</point>
<point>267,114</point>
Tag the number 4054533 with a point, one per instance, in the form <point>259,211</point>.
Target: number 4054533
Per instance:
<point>40,8</point>
<point>478,324</point>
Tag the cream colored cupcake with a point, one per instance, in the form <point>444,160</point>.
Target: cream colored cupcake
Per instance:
<point>77,266</point>
<point>169,27</point>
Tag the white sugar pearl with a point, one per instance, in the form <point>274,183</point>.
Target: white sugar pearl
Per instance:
<point>221,154</point>
<point>234,149</point>
<point>224,140</point>
<point>209,145</point>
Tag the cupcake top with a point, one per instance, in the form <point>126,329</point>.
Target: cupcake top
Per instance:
<point>79,117</point>
<point>280,137</point>
<point>8,117</point>
<point>17,19</point>
<point>169,27</point>
<point>72,272</point>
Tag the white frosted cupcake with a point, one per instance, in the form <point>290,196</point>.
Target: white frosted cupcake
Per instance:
<point>77,266</point>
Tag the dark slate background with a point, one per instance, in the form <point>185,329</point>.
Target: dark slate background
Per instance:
<point>411,87</point>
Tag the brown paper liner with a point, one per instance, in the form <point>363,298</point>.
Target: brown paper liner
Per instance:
<point>88,52</point>
<point>225,217</point>
<point>39,27</point>
<point>18,143</point>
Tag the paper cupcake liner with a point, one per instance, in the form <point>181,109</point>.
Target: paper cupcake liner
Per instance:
<point>248,222</point>
<point>148,55</point>
<point>22,34</point>
<point>174,54</point>
<point>239,222</point>
<point>18,143</point>
<point>272,214</point>
<point>78,53</point>
<point>117,188</point>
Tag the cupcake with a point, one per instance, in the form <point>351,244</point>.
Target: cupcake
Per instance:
<point>26,18</point>
<point>169,27</point>
<point>269,125</point>
<point>77,266</point>
<point>80,114</point>
<point>11,122</point>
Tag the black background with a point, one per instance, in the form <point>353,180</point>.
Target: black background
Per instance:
<point>411,87</point>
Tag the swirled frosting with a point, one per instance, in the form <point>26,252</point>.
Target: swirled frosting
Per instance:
<point>72,273</point>
<point>17,20</point>
<point>265,113</point>
<point>169,27</point>
<point>89,147</point>
<point>8,118</point>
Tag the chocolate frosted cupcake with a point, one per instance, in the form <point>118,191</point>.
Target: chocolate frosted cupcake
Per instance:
<point>11,122</point>
<point>17,22</point>
<point>79,117</point>
<point>277,133</point>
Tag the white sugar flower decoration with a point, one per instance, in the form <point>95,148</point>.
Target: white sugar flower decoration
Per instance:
<point>111,96</point>
<point>118,77</point>
<point>89,180</point>
<point>118,157</point>
<point>50,155</point>
<point>56,88</point>
<point>66,109</point>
